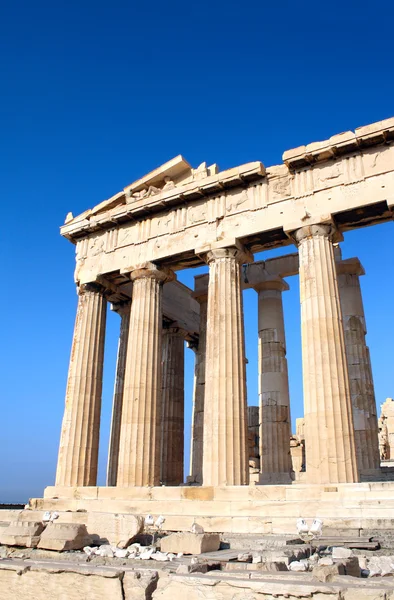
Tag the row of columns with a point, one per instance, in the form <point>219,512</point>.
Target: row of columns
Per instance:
<point>146,444</point>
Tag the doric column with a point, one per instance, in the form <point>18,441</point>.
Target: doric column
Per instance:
<point>274,400</point>
<point>139,446</point>
<point>79,442</point>
<point>173,398</point>
<point>359,365</point>
<point>113,454</point>
<point>225,460</point>
<point>329,434</point>
<point>197,433</point>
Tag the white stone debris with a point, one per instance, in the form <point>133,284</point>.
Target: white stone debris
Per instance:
<point>147,553</point>
<point>160,556</point>
<point>105,551</point>
<point>159,521</point>
<point>196,528</point>
<point>121,553</point>
<point>257,558</point>
<point>381,565</point>
<point>90,550</point>
<point>149,520</point>
<point>298,565</point>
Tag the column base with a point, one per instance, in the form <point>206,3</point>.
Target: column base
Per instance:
<point>275,479</point>
<point>268,509</point>
<point>373,474</point>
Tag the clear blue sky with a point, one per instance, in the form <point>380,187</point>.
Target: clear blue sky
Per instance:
<point>96,94</point>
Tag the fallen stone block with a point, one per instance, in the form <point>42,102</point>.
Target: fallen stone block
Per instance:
<point>41,582</point>
<point>139,585</point>
<point>341,552</point>
<point>266,566</point>
<point>245,557</point>
<point>115,529</point>
<point>197,568</point>
<point>362,561</point>
<point>328,572</point>
<point>190,543</point>
<point>21,533</point>
<point>325,561</point>
<point>64,536</point>
<point>351,566</point>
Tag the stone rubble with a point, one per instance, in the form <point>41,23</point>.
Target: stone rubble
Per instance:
<point>21,533</point>
<point>299,565</point>
<point>380,565</point>
<point>64,536</point>
<point>340,552</point>
<point>190,543</point>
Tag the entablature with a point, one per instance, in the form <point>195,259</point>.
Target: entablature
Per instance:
<point>258,207</point>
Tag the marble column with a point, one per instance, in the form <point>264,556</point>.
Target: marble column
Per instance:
<point>197,434</point>
<point>173,398</point>
<point>329,432</point>
<point>79,442</point>
<point>140,445</point>
<point>274,399</point>
<point>112,468</point>
<point>225,460</point>
<point>359,365</point>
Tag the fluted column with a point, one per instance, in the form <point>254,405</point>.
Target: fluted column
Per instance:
<point>139,446</point>
<point>79,442</point>
<point>359,365</point>
<point>113,454</point>
<point>329,434</point>
<point>225,460</point>
<point>274,400</point>
<point>197,434</point>
<point>173,398</point>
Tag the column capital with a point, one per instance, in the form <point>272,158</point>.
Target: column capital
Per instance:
<point>149,270</point>
<point>192,344</point>
<point>200,292</point>
<point>225,249</point>
<point>121,308</point>
<point>239,253</point>
<point>350,266</point>
<point>200,296</point>
<point>273,283</point>
<point>92,288</point>
<point>323,230</point>
<point>327,230</point>
<point>174,329</point>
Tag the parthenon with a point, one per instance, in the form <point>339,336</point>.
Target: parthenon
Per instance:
<point>128,251</point>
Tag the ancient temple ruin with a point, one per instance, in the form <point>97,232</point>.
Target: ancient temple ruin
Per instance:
<point>128,251</point>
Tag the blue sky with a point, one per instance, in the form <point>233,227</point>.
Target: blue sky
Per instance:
<point>93,95</point>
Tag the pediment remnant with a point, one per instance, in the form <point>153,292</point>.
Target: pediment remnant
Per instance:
<point>175,173</point>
